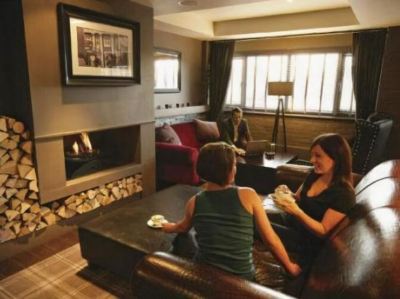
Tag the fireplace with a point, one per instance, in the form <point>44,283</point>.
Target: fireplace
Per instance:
<point>90,152</point>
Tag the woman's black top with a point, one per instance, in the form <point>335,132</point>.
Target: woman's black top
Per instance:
<point>338,197</point>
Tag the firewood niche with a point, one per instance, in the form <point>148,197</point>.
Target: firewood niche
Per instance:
<point>22,210</point>
<point>90,152</point>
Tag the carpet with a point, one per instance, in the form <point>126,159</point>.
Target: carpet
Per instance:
<point>64,275</point>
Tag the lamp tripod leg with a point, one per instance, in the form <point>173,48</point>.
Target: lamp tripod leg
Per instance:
<point>280,110</point>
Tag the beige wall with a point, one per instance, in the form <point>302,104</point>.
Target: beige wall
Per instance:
<point>190,73</point>
<point>60,110</point>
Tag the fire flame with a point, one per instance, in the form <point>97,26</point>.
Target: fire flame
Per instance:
<point>84,146</point>
<point>86,142</point>
<point>75,148</point>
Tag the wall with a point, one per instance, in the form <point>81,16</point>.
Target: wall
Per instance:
<point>60,110</point>
<point>389,90</point>
<point>191,69</point>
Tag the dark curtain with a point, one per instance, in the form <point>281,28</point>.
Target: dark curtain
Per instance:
<point>368,50</point>
<point>220,62</point>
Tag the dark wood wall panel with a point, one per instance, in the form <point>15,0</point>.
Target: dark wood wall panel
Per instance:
<point>389,91</point>
<point>14,82</point>
<point>300,131</point>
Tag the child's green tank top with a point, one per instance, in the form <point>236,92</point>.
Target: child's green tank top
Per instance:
<point>224,231</point>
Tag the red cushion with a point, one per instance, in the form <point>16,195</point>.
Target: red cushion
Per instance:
<point>187,134</point>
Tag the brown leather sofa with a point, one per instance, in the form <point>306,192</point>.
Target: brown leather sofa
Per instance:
<point>359,260</point>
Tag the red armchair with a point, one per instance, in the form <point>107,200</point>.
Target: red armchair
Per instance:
<point>177,163</point>
<point>177,150</point>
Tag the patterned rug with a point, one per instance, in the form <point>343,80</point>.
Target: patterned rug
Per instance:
<point>64,275</point>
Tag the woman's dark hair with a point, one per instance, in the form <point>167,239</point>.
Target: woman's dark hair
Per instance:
<point>338,149</point>
<point>215,162</point>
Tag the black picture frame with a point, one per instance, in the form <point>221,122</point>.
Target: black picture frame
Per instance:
<point>97,49</point>
<point>159,53</point>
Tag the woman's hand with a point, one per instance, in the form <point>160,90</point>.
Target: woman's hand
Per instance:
<point>290,207</point>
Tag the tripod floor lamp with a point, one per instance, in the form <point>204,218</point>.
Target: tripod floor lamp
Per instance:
<point>281,89</point>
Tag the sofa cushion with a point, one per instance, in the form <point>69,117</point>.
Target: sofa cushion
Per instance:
<point>167,134</point>
<point>207,131</point>
<point>187,134</point>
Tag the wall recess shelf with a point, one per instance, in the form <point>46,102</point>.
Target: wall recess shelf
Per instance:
<point>159,113</point>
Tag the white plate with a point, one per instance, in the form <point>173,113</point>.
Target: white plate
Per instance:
<point>152,225</point>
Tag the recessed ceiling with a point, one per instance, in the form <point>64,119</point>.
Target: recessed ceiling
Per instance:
<point>227,19</point>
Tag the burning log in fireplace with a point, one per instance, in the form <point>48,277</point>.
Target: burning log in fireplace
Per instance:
<point>90,152</point>
<point>82,148</point>
<point>81,158</point>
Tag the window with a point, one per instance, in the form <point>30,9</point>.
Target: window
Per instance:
<point>322,82</point>
<point>167,71</point>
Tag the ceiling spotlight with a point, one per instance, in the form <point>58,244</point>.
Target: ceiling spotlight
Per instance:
<point>187,3</point>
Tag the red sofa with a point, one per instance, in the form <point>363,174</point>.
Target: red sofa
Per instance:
<point>177,163</point>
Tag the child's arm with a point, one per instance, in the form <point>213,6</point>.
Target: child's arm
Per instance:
<point>183,225</point>
<point>270,237</point>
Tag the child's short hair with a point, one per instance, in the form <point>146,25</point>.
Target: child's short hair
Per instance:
<point>215,162</point>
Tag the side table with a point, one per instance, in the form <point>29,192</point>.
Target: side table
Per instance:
<point>259,172</point>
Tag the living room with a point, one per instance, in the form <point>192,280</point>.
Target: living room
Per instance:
<point>40,94</point>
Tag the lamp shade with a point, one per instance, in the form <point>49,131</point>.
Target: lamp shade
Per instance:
<point>280,88</point>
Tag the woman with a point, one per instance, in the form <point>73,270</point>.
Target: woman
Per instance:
<point>322,201</point>
<point>222,216</point>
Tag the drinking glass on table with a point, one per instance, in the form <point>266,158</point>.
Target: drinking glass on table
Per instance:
<point>270,154</point>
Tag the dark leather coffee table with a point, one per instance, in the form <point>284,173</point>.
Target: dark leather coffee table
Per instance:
<point>118,240</point>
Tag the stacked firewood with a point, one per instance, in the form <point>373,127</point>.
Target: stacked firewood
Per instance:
<point>18,183</point>
<point>20,210</point>
<point>94,198</point>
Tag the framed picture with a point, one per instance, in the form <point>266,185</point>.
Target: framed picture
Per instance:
<point>167,71</point>
<point>97,49</point>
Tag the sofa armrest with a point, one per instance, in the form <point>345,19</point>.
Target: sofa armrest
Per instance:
<point>292,175</point>
<point>163,275</point>
<point>176,154</point>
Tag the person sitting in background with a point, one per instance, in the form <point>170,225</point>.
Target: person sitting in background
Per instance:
<point>235,131</point>
<point>222,216</point>
<point>321,202</point>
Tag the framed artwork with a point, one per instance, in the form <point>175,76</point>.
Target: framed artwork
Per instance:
<point>97,49</point>
<point>167,71</point>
